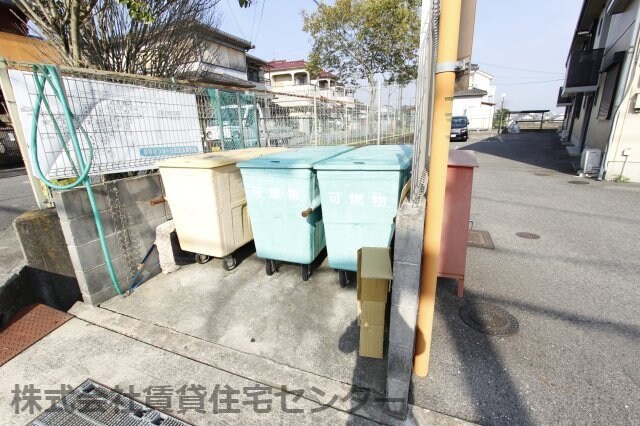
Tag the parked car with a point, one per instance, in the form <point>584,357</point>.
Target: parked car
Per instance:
<point>459,128</point>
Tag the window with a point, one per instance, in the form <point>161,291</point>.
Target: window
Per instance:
<point>610,85</point>
<point>253,74</point>
<point>578,105</point>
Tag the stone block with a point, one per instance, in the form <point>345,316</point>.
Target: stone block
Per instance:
<point>90,255</point>
<point>398,397</point>
<point>402,325</point>
<point>399,363</point>
<point>43,242</point>
<point>406,284</point>
<point>82,229</point>
<point>139,189</point>
<point>95,280</point>
<point>409,233</point>
<point>75,202</point>
<point>142,212</point>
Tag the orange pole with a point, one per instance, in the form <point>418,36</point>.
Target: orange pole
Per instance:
<point>449,27</point>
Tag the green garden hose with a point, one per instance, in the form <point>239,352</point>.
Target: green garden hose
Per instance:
<point>47,74</point>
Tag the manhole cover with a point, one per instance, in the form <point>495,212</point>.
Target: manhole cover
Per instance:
<point>528,235</point>
<point>489,319</point>
<point>542,174</point>
<point>578,182</point>
<point>480,239</point>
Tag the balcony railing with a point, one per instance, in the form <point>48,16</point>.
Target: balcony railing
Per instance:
<point>583,71</point>
<point>262,80</point>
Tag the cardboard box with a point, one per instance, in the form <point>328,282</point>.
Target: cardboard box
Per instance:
<point>373,313</point>
<point>373,275</point>
<point>371,341</point>
<point>373,284</point>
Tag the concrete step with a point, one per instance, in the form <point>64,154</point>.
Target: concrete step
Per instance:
<point>316,388</point>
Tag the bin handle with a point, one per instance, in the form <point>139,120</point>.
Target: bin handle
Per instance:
<point>155,201</point>
<point>314,205</point>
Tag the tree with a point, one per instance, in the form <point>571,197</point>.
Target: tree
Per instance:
<point>152,37</point>
<point>362,39</point>
<point>500,117</point>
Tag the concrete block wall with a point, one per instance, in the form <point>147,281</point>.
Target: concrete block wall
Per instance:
<point>407,258</point>
<point>81,235</point>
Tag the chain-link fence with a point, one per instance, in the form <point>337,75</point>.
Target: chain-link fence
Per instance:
<point>131,122</point>
<point>9,150</point>
<point>308,115</point>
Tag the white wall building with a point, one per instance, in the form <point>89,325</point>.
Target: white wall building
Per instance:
<point>292,77</point>
<point>602,86</point>
<point>476,102</point>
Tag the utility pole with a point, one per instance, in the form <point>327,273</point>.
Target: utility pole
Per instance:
<point>504,95</point>
<point>447,56</point>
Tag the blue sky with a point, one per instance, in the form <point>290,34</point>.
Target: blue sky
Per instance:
<point>522,43</point>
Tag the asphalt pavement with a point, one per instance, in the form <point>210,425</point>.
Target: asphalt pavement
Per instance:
<point>16,196</point>
<point>574,292</point>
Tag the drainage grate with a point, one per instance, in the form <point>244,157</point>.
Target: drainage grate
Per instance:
<point>528,235</point>
<point>94,404</point>
<point>489,319</point>
<point>578,182</point>
<point>27,327</point>
<point>480,239</point>
<point>542,174</point>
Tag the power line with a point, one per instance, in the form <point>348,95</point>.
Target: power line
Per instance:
<point>520,69</point>
<point>530,82</point>
<point>260,20</point>
<point>253,23</point>
<point>235,20</point>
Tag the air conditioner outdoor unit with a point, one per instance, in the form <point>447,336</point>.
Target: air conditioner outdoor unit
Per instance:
<point>590,160</point>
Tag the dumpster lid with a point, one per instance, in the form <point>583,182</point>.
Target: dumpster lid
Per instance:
<point>301,158</point>
<point>373,157</point>
<point>211,160</point>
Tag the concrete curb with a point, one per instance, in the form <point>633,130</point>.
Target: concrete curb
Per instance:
<point>256,368</point>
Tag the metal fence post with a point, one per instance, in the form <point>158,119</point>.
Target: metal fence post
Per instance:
<point>315,116</point>
<point>366,135</point>
<point>240,120</point>
<point>346,124</point>
<point>379,110</point>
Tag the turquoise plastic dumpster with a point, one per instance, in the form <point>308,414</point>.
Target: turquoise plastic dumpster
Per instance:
<point>360,191</point>
<point>284,205</point>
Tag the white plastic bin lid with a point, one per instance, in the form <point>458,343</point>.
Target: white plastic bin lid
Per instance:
<point>211,160</point>
<point>302,158</point>
<point>372,157</point>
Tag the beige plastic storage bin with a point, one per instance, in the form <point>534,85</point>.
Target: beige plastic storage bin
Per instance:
<point>208,203</point>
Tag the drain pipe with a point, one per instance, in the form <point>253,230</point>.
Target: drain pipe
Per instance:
<point>449,29</point>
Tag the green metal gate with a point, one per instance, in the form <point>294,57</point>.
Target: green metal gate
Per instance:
<point>233,120</point>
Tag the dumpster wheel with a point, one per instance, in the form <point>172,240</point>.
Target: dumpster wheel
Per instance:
<point>202,258</point>
<point>305,271</point>
<point>270,267</point>
<point>344,279</point>
<point>229,263</point>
